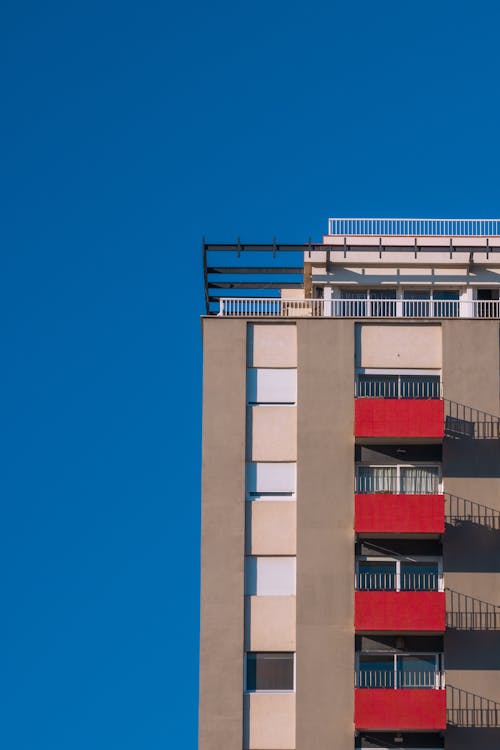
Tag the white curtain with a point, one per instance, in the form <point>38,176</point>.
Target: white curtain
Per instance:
<point>419,480</point>
<point>377,479</point>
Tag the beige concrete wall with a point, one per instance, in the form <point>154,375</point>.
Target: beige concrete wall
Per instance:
<point>272,345</point>
<point>270,721</point>
<point>272,433</point>
<point>223,535</point>
<point>271,527</point>
<point>471,470</point>
<point>270,623</point>
<point>471,363</point>
<point>325,538</point>
<point>408,346</point>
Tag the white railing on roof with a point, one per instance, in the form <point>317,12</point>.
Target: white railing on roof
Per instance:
<point>275,307</point>
<point>415,227</point>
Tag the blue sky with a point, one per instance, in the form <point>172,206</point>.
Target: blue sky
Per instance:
<point>128,131</point>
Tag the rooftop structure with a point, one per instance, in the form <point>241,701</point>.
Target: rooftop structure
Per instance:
<point>380,267</point>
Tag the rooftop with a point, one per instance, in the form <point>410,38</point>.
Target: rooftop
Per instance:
<point>269,279</point>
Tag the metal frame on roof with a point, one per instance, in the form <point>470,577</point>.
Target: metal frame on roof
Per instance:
<point>216,276</point>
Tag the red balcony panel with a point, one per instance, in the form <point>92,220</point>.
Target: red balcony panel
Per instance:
<point>399,418</point>
<point>399,514</point>
<point>408,709</point>
<point>400,611</point>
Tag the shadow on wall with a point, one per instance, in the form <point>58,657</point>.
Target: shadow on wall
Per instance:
<point>461,512</point>
<point>471,548</point>
<point>465,709</point>
<point>471,458</point>
<point>466,422</point>
<point>480,738</point>
<point>471,446</point>
<point>464,612</point>
<point>472,649</point>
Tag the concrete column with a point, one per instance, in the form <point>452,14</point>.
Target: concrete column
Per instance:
<point>325,537</point>
<point>223,535</point>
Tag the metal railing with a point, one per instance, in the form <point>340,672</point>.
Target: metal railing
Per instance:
<point>397,480</point>
<point>276,307</point>
<point>389,678</point>
<point>398,386</point>
<point>394,582</point>
<point>415,227</point>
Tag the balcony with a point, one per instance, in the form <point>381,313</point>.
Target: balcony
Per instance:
<point>399,419</point>
<point>399,611</point>
<point>384,513</point>
<point>400,709</point>
<point>399,593</point>
<point>399,500</point>
<point>361,307</point>
<point>400,691</point>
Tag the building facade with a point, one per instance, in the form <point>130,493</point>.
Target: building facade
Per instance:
<point>351,490</point>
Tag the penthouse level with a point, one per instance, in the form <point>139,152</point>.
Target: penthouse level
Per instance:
<point>363,268</point>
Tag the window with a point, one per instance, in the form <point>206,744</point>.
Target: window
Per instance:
<point>270,481</point>
<point>270,576</point>
<point>376,303</point>
<point>388,574</point>
<point>400,671</point>
<point>398,480</point>
<point>440,303</point>
<point>271,671</point>
<point>271,386</point>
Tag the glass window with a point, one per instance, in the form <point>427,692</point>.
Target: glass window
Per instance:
<point>376,671</point>
<point>419,480</point>
<point>416,671</point>
<point>377,480</point>
<point>446,303</point>
<point>373,576</point>
<point>416,304</point>
<point>352,304</point>
<point>269,671</point>
<point>419,576</point>
<point>383,303</point>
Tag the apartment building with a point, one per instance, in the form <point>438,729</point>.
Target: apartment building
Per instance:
<point>351,490</point>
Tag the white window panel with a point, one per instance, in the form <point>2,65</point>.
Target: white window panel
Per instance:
<point>270,576</point>
<point>271,481</point>
<point>271,386</point>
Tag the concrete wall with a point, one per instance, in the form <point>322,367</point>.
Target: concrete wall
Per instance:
<point>325,541</point>
<point>270,723</point>
<point>471,550</point>
<point>271,527</point>
<point>223,535</point>
<point>272,345</point>
<point>272,433</point>
<point>398,345</point>
<point>270,623</point>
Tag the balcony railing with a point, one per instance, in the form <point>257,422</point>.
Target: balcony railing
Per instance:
<point>402,582</point>
<point>397,386</point>
<point>397,480</point>
<point>276,307</point>
<point>415,227</point>
<point>388,678</point>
